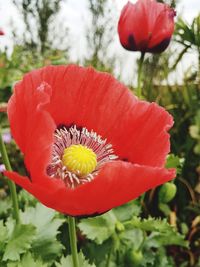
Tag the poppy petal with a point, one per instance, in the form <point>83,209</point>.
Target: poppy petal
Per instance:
<point>117,183</point>
<point>44,190</point>
<point>31,126</point>
<point>141,136</point>
<point>163,28</point>
<point>130,32</point>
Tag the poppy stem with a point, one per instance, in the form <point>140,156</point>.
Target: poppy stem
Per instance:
<point>73,240</point>
<point>139,80</point>
<point>11,185</point>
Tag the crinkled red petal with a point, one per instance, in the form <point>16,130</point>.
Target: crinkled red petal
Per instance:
<point>32,126</point>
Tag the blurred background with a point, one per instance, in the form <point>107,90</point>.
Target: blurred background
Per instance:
<point>83,30</point>
<point>41,32</point>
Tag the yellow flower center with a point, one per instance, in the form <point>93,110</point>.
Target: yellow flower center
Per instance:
<point>79,159</point>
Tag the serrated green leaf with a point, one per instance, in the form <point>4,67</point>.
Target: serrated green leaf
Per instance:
<point>38,216</point>
<point>174,162</point>
<point>167,239</point>
<point>99,228</point>
<point>127,211</point>
<point>166,234</point>
<point>132,237</point>
<point>5,206</point>
<point>3,236</point>
<point>155,259</point>
<point>29,261</point>
<point>152,224</point>
<point>69,262</point>
<point>21,239</point>
<point>10,225</point>
<point>90,249</point>
<point>44,219</point>
<point>25,198</point>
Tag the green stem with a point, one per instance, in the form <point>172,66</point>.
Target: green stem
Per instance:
<point>11,185</point>
<point>109,257</point>
<point>73,241</point>
<point>139,80</point>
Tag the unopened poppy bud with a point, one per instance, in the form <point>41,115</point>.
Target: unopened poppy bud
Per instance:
<point>2,32</point>
<point>167,192</point>
<point>146,26</point>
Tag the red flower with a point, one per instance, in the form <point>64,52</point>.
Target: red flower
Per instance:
<point>146,26</point>
<point>56,115</point>
<point>2,32</point>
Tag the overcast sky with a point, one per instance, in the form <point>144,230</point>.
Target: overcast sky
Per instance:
<point>74,13</point>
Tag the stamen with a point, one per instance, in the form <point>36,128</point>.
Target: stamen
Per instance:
<point>78,155</point>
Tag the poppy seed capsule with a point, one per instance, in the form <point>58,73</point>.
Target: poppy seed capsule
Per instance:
<point>80,159</point>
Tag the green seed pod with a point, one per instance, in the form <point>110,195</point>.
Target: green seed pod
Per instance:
<point>134,257</point>
<point>167,192</point>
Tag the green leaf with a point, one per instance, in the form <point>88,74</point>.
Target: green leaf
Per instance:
<point>5,206</point>
<point>3,236</point>
<point>21,239</point>
<point>12,264</point>
<point>151,224</point>
<point>174,162</point>
<point>167,239</point>
<point>132,237</point>
<point>127,211</point>
<point>69,263</point>
<point>44,219</point>
<point>25,198</point>
<point>90,249</point>
<point>99,228</point>
<point>165,234</point>
<point>29,261</point>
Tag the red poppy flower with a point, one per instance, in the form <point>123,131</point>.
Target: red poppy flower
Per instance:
<point>89,144</point>
<point>2,32</point>
<point>146,26</point>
